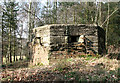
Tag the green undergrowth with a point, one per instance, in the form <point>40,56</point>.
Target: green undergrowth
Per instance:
<point>92,77</point>
<point>82,69</point>
<point>89,55</point>
<point>62,64</point>
<point>65,63</point>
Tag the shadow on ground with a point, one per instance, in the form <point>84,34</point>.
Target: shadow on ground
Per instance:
<point>15,65</point>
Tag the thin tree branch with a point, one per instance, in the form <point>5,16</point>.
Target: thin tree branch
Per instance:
<point>31,13</point>
<point>109,17</point>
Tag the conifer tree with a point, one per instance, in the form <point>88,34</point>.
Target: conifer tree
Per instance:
<point>10,27</point>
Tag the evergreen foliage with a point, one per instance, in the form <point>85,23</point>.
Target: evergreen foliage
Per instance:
<point>9,27</point>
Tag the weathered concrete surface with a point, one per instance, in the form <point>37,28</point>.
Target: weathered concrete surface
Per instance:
<point>64,39</point>
<point>40,55</point>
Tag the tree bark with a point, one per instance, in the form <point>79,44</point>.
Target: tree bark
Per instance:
<point>96,17</point>
<point>107,27</point>
<point>66,16</point>
<point>14,45</point>
<point>29,21</point>
<point>29,24</point>
<point>74,17</point>
<point>2,41</point>
<point>10,54</point>
<point>99,23</point>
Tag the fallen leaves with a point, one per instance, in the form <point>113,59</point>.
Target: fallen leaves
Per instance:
<point>73,69</point>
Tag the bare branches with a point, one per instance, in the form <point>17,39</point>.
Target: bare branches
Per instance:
<point>109,17</point>
<point>32,13</point>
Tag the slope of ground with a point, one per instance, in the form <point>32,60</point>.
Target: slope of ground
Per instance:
<point>70,69</point>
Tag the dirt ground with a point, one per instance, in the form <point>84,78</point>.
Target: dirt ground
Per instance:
<point>68,69</point>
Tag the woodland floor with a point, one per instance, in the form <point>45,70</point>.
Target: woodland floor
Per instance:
<point>82,69</point>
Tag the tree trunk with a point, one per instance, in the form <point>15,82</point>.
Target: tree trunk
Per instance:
<point>99,23</point>
<point>55,12</point>
<point>29,24</point>
<point>14,45</point>
<point>21,57</point>
<point>74,17</point>
<point>86,8</point>
<point>66,16</point>
<point>29,20</point>
<point>10,54</point>
<point>2,41</point>
<point>107,27</point>
<point>96,17</point>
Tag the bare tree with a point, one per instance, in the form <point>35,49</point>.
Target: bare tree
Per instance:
<point>107,26</point>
